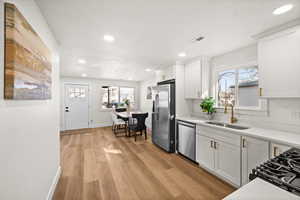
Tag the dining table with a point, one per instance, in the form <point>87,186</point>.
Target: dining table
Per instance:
<point>126,117</point>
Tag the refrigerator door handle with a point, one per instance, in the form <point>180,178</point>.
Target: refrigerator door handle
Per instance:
<point>156,115</point>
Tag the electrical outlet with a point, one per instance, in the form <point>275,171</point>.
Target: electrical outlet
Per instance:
<point>296,115</point>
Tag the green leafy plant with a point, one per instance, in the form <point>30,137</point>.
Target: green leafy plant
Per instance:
<point>127,102</point>
<point>207,105</point>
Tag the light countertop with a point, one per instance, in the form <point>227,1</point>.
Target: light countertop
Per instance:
<point>282,137</point>
<point>259,189</point>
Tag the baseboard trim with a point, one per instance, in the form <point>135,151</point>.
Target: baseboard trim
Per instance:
<point>54,184</point>
<point>100,125</point>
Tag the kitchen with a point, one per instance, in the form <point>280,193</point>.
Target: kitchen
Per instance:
<point>150,99</point>
<point>238,140</point>
<point>255,115</point>
<point>238,137</point>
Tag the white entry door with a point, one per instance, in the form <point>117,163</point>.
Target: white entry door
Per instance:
<point>76,106</point>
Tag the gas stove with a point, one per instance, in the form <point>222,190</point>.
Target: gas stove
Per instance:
<point>283,171</point>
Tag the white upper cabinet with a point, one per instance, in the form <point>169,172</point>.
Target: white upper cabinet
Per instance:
<point>279,64</point>
<point>192,78</point>
<point>196,79</point>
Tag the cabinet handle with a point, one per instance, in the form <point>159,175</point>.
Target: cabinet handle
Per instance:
<point>211,144</point>
<point>260,92</point>
<point>215,145</point>
<point>275,151</point>
<point>244,143</point>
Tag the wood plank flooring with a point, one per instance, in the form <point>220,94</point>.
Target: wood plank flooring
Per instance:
<point>98,165</point>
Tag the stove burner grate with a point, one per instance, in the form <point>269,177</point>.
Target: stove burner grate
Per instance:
<point>283,171</point>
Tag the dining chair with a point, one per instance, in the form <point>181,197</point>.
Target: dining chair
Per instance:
<point>139,126</point>
<point>118,124</point>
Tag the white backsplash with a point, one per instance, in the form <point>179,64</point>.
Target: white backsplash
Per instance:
<point>282,114</point>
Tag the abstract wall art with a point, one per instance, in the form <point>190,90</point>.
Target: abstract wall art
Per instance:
<point>27,62</point>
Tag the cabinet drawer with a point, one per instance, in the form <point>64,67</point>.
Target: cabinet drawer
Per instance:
<point>218,134</point>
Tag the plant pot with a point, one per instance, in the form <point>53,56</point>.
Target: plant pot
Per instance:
<point>128,108</point>
<point>210,116</point>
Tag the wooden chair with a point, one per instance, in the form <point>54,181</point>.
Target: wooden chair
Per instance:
<point>139,126</point>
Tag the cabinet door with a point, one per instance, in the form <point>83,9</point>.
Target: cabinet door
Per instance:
<point>187,82</point>
<point>228,162</point>
<point>276,149</point>
<point>254,153</point>
<point>205,75</point>
<point>192,80</point>
<point>205,152</point>
<point>279,61</point>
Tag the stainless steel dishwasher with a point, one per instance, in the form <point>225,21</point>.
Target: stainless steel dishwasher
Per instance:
<point>186,139</point>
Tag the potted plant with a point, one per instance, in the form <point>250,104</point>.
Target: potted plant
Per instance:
<point>127,103</point>
<point>207,105</point>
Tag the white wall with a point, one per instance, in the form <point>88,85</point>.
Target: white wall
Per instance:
<point>146,104</point>
<point>183,107</point>
<point>29,145</point>
<point>98,117</point>
<point>279,113</point>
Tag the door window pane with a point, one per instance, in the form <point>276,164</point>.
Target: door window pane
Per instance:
<point>77,93</point>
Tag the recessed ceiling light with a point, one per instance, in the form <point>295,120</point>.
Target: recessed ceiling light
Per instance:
<point>283,9</point>
<point>148,70</point>
<point>130,79</point>
<point>182,54</point>
<point>109,38</point>
<point>81,61</point>
<point>83,75</point>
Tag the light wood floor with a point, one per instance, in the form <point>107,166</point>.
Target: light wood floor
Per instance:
<point>98,165</point>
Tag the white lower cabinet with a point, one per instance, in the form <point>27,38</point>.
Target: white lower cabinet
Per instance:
<point>254,153</point>
<point>276,149</point>
<point>205,151</point>
<point>227,162</point>
<point>219,157</point>
<point>231,156</point>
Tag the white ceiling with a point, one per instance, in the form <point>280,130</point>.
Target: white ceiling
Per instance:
<point>150,34</point>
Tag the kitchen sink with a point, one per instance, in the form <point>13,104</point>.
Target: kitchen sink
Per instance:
<point>226,125</point>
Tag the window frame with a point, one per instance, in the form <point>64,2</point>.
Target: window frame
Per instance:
<point>134,94</point>
<point>119,97</point>
<point>236,68</point>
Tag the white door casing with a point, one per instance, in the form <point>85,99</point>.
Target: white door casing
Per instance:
<point>76,106</point>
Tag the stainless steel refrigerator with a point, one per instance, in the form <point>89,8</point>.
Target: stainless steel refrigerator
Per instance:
<point>163,116</point>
